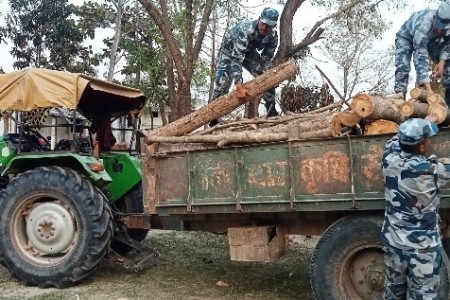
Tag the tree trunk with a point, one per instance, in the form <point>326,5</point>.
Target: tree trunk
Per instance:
<point>116,40</point>
<point>374,107</point>
<point>183,101</point>
<point>227,103</point>
<point>251,109</point>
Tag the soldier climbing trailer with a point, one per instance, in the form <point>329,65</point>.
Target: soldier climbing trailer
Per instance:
<point>330,187</point>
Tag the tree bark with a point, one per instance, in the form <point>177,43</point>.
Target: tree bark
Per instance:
<point>228,102</point>
<point>374,107</point>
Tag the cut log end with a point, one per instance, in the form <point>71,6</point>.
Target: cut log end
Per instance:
<point>362,105</point>
<point>344,119</point>
<point>381,126</point>
<point>439,111</point>
<point>435,99</point>
<point>407,109</point>
<point>420,94</point>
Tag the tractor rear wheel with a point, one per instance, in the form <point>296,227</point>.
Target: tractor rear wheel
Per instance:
<point>55,228</point>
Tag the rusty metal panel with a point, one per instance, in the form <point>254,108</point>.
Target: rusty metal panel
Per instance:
<point>367,154</point>
<point>322,168</point>
<point>172,180</point>
<point>266,174</point>
<point>213,177</point>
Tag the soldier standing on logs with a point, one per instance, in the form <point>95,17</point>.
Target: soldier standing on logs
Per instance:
<point>423,36</point>
<point>239,48</point>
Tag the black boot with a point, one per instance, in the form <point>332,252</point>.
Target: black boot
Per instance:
<point>213,123</point>
<point>271,111</point>
<point>447,96</point>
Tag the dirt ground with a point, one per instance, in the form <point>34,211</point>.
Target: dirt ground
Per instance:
<point>191,266</point>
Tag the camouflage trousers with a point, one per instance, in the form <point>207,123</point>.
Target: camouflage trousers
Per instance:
<point>404,53</point>
<point>252,63</point>
<point>412,275</point>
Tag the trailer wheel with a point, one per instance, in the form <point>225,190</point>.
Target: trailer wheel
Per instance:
<point>131,202</point>
<point>55,228</point>
<point>348,262</point>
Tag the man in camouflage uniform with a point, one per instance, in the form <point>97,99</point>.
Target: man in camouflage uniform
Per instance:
<point>410,230</point>
<point>424,35</point>
<point>239,48</point>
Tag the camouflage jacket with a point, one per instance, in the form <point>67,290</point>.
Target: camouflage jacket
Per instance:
<point>244,37</point>
<point>412,191</point>
<point>417,29</point>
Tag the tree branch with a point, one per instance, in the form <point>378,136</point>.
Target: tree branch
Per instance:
<point>166,31</point>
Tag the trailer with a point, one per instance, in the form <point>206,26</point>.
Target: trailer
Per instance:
<point>257,194</point>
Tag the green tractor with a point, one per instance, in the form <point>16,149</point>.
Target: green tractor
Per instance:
<point>64,209</point>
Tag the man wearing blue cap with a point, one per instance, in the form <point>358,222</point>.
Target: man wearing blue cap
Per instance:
<point>424,35</point>
<point>410,230</point>
<point>239,48</point>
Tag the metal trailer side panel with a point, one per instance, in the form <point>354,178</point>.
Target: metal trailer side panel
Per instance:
<point>335,174</point>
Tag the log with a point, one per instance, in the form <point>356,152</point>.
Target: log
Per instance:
<point>381,126</point>
<point>435,99</point>
<point>441,113</point>
<point>374,107</point>
<point>227,103</point>
<point>325,132</point>
<point>419,94</point>
<point>414,109</point>
<point>222,140</point>
<point>298,130</point>
<point>342,120</point>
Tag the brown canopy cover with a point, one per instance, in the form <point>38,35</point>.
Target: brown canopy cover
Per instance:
<point>36,88</point>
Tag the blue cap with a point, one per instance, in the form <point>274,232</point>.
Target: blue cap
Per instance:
<point>416,130</point>
<point>269,16</point>
<point>442,21</point>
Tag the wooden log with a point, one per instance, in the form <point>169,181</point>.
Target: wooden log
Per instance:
<point>222,140</point>
<point>298,130</point>
<point>381,126</point>
<point>419,94</point>
<point>441,113</point>
<point>374,107</point>
<point>227,103</point>
<point>435,99</point>
<point>414,109</point>
<point>252,137</point>
<point>342,120</point>
<point>325,132</point>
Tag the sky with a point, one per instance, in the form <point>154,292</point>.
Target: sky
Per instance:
<point>304,18</point>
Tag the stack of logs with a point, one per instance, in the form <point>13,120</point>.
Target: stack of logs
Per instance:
<point>369,114</point>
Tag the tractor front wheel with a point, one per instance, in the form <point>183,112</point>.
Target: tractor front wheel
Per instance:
<point>55,228</point>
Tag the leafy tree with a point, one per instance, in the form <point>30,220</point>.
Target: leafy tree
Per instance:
<point>351,44</point>
<point>45,34</point>
<point>183,44</point>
